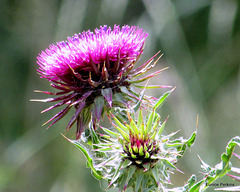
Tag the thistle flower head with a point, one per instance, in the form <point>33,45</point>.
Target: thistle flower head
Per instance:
<point>93,71</point>
<point>139,155</point>
<point>91,59</point>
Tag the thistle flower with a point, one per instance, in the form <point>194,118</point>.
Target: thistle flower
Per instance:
<point>139,156</point>
<point>93,72</point>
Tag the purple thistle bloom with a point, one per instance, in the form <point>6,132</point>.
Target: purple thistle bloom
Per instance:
<point>90,68</point>
<point>105,51</point>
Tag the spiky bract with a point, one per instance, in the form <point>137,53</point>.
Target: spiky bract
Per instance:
<point>139,155</point>
<point>93,72</point>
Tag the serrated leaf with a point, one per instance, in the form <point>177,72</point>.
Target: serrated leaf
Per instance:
<point>221,169</point>
<point>85,152</point>
<point>191,181</point>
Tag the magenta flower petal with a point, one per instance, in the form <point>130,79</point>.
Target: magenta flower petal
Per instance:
<point>86,52</point>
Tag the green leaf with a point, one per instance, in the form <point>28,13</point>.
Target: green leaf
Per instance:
<point>120,125</point>
<point>137,106</point>
<point>150,121</point>
<point>162,128</point>
<point>155,174</point>
<point>187,186</point>
<point>196,187</point>
<point>145,181</point>
<point>168,164</point>
<point>190,182</point>
<point>119,98</point>
<point>109,132</point>
<point>116,174</point>
<point>129,94</point>
<point>138,181</point>
<point>152,86</point>
<point>95,138</point>
<point>154,128</point>
<point>191,140</point>
<point>134,126</point>
<point>125,135</point>
<point>126,163</point>
<point>204,165</point>
<point>220,169</point>
<point>85,152</point>
<point>123,180</point>
<point>131,171</point>
<point>161,100</point>
<point>140,118</point>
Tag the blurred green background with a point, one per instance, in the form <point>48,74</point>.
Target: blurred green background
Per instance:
<point>200,40</point>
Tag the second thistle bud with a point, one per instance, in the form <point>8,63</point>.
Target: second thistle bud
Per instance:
<point>136,154</point>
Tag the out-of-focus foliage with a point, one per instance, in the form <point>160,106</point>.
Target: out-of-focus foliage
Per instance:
<point>201,45</point>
